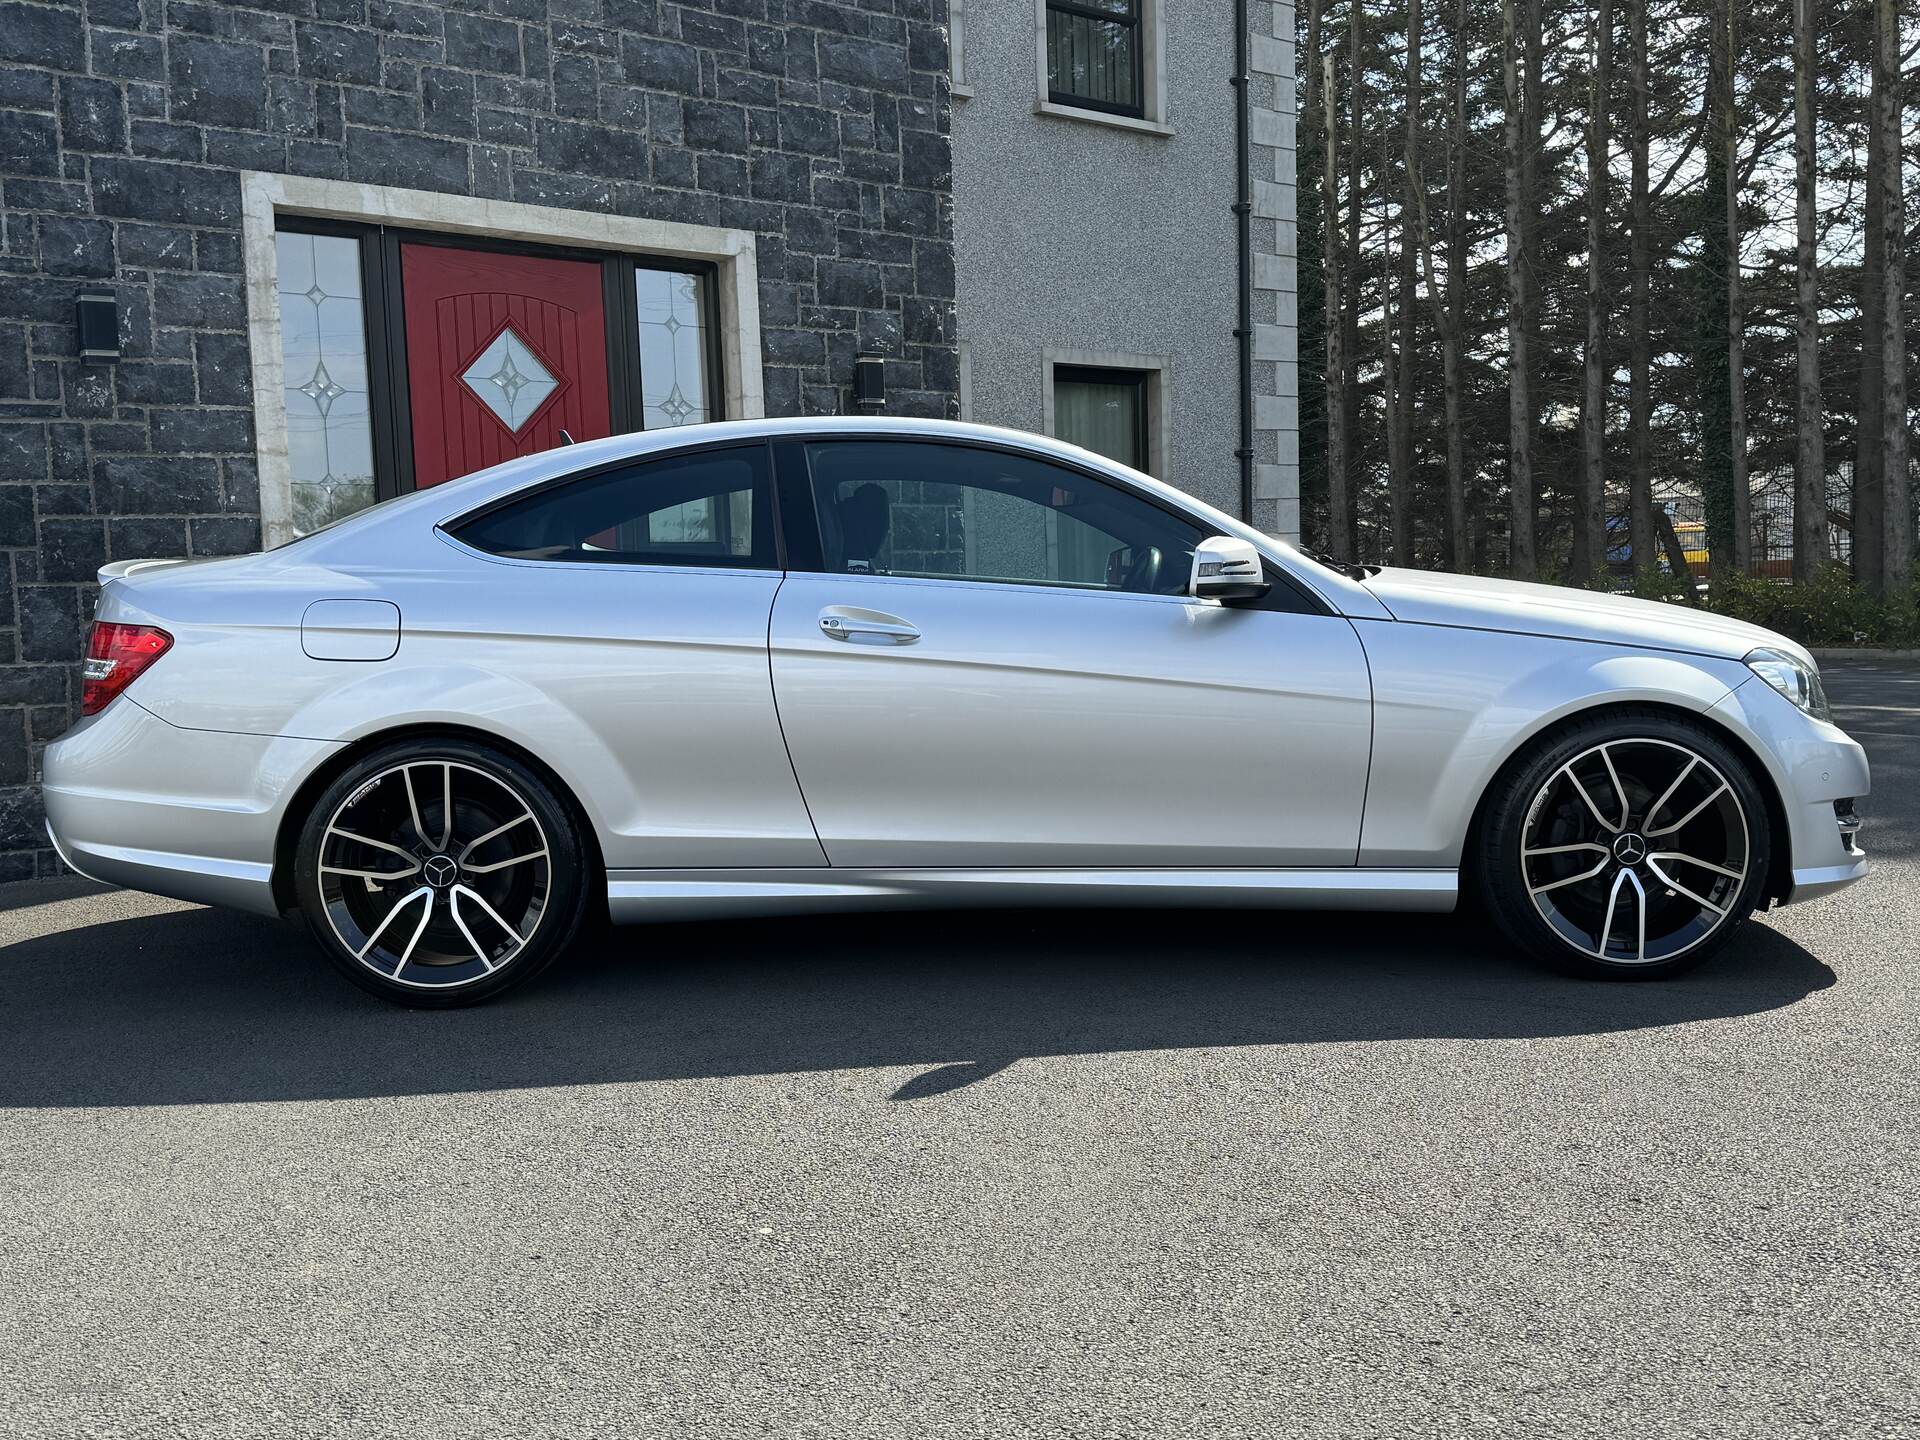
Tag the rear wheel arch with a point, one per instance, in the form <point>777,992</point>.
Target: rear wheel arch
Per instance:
<point>287,837</point>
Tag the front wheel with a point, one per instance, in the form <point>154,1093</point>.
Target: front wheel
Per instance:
<point>440,873</point>
<point>1631,846</point>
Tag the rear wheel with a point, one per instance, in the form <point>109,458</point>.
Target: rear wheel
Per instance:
<point>440,873</point>
<point>1626,847</point>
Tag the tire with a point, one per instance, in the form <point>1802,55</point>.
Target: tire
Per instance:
<point>1628,819</point>
<point>430,914</point>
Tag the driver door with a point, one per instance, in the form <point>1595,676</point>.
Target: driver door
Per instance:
<point>983,659</point>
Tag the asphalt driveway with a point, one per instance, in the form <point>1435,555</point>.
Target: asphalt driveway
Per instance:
<point>972,1175</point>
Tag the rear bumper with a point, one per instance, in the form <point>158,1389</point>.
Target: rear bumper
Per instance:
<point>191,814</point>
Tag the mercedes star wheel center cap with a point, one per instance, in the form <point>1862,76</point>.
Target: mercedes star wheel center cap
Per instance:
<point>440,871</point>
<point>1629,849</point>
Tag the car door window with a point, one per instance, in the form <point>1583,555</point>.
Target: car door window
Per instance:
<point>708,508</point>
<point>967,512</point>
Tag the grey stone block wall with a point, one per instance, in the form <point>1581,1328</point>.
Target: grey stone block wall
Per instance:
<point>124,124</point>
<point>1276,385</point>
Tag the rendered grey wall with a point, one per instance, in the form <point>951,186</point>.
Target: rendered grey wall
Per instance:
<point>1074,234</point>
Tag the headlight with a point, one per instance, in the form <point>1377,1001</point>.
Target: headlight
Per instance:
<point>1795,679</point>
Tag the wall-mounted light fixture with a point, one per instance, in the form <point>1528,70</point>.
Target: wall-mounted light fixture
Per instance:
<point>97,317</point>
<point>869,383</point>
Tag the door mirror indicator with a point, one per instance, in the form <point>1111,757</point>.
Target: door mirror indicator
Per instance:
<point>1228,569</point>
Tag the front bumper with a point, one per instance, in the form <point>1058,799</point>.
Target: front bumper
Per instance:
<point>1819,771</point>
<point>191,814</point>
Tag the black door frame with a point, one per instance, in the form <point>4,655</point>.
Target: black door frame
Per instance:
<point>384,315</point>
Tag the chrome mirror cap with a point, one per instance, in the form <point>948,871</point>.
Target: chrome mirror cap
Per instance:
<point>1225,568</point>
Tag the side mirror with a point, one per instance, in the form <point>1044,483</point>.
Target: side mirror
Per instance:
<point>1227,569</point>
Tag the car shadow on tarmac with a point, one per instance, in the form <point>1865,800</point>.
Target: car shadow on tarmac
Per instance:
<point>200,1006</point>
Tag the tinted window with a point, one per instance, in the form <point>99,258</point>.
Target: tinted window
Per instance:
<point>890,508</point>
<point>713,507</point>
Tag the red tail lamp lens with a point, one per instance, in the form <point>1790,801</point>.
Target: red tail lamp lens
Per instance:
<point>116,656</point>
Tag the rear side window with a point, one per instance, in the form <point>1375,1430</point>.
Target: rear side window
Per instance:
<point>710,508</point>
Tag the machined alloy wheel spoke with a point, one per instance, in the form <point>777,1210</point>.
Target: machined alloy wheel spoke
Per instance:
<point>1686,819</point>
<point>481,901</point>
<point>1685,859</point>
<point>1613,900</point>
<point>413,804</point>
<point>1619,790</point>
<point>1654,810</point>
<point>1571,879</point>
<point>1581,789</point>
<point>1591,846</point>
<point>413,869</point>
<point>494,834</point>
<point>453,906</point>
<point>1672,884</point>
<point>504,864</point>
<point>425,892</point>
<point>413,861</point>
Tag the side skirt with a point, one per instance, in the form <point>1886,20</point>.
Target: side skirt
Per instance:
<point>638,895</point>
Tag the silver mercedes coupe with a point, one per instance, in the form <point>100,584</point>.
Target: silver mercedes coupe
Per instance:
<point>783,665</point>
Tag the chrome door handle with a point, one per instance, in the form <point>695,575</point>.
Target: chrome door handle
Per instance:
<point>866,629</point>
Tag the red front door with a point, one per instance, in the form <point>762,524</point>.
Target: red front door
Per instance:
<point>503,353</point>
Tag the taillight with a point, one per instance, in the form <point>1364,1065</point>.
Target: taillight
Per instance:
<point>116,655</point>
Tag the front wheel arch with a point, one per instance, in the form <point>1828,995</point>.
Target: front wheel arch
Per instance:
<point>294,817</point>
<point>1780,858</point>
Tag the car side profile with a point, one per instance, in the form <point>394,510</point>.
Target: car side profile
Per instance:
<point>777,665</point>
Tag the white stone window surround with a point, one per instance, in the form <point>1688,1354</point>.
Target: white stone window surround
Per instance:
<point>265,197</point>
<point>1157,368</point>
<point>1153,71</point>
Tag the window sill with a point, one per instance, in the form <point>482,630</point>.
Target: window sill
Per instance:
<point>961,92</point>
<point>1101,117</point>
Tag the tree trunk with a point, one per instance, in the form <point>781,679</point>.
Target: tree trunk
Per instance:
<point>1453,356</point>
<point>1590,513</point>
<point>1400,447</point>
<point>1742,495</point>
<point>1897,547</point>
<point>1519,394</point>
<point>1339,531</point>
<point>1449,312</point>
<point>1355,293</point>
<point>1640,341</point>
<point>1810,471</point>
<point>1870,442</point>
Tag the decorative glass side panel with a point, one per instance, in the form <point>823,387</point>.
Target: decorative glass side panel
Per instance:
<point>673,349</point>
<point>323,347</point>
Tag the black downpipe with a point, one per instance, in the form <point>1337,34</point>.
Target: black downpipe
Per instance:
<point>1243,215</point>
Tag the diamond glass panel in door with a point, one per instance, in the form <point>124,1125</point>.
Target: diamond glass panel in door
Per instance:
<point>323,349</point>
<point>673,348</point>
<point>506,355</point>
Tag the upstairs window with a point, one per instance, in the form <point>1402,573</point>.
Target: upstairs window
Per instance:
<point>1095,52</point>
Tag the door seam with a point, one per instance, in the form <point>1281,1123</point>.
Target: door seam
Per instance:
<point>780,724</point>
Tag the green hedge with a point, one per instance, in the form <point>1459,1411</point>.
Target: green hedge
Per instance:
<point>1829,610</point>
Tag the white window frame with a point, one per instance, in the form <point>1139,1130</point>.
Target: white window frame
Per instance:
<point>265,197</point>
<point>1158,370</point>
<point>1153,75</point>
<point>957,50</point>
